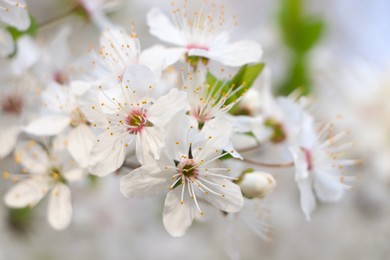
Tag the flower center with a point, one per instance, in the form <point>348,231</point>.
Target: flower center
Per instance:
<point>196,46</point>
<point>55,173</point>
<point>12,105</point>
<point>188,169</point>
<point>78,117</point>
<point>201,116</point>
<point>60,77</point>
<point>136,120</point>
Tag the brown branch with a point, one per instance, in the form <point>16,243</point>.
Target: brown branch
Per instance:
<point>270,165</point>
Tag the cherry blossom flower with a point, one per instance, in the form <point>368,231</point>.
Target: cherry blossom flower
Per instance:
<point>63,115</point>
<point>185,169</point>
<point>318,164</point>
<point>133,112</point>
<point>15,108</point>
<point>204,34</point>
<point>46,172</point>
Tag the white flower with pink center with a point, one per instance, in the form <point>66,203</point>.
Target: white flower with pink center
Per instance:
<point>46,171</point>
<point>317,157</point>
<point>62,114</point>
<point>135,111</point>
<point>15,107</point>
<point>187,169</point>
<point>204,33</point>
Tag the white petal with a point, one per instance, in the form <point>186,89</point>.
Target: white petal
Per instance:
<point>59,49</point>
<point>32,156</point>
<point>327,187</point>
<point>300,163</point>
<point>48,125</point>
<point>308,201</point>
<point>118,50</point>
<point>27,193</point>
<point>60,207</point>
<point>6,43</point>
<point>177,217</point>
<point>8,137</point>
<point>230,200</point>
<point>150,140</point>
<point>211,138</point>
<point>143,182</point>
<point>75,174</point>
<point>107,155</point>
<point>80,143</point>
<point>177,134</point>
<point>27,55</point>
<point>162,111</point>
<point>139,78</point>
<point>78,87</point>
<point>158,57</point>
<point>161,27</point>
<point>16,14</point>
<point>92,110</point>
<point>234,54</point>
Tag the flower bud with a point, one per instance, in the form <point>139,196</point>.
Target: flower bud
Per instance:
<point>256,184</point>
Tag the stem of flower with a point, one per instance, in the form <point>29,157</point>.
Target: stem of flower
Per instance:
<point>249,149</point>
<point>270,165</point>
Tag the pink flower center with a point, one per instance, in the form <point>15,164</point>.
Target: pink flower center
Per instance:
<point>200,116</point>
<point>308,159</point>
<point>12,104</point>
<point>136,120</point>
<point>60,77</point>
<point>196,46</point>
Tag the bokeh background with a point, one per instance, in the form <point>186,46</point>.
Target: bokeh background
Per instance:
<point>338,51</point>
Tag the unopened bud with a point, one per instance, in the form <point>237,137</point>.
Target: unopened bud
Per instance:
<point>256,184</point>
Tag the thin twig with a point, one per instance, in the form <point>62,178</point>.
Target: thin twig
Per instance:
<point>270,165</point>
<point>249,149</point>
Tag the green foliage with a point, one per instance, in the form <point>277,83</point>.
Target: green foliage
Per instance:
<point>300,33</point>
<point>239,84</point>
<point>19,220</point>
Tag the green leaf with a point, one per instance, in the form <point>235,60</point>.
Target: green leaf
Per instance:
<point>313,30</point>
<point>239,84</point>
<point>299,32</point>
<point>19,219</point>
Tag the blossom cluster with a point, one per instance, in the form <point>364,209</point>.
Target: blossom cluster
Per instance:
<point>192,121</point>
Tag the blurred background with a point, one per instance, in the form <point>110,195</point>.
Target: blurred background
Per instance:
<point>337,51</point>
